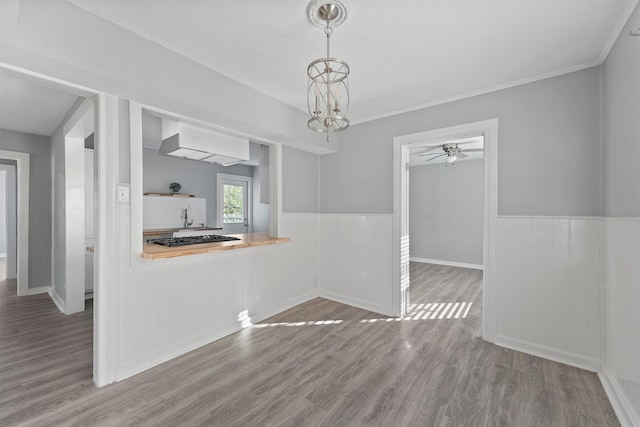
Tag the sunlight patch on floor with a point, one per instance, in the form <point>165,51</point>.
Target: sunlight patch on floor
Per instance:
<point>431,311</point>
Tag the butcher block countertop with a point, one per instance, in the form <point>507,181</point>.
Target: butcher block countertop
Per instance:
<point>151,251</point>
<point>173,230</point>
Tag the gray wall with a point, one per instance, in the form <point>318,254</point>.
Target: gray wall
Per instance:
<point>59,245</point>
<point>446,211</point>
<point>549,149</point>
<point>299,180</point>
<point>197,178</point>
<point>622,124</point>
<point>39,201</point>
<point>260,210</point>
<point>3,212</point>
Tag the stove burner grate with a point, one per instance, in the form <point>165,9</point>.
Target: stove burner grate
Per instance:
<point>191,240</point>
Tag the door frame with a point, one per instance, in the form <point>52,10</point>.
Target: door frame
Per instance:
<point>401,145</point>
<point>106,273</point>
<point>22,212</point>
<point>220,197</point>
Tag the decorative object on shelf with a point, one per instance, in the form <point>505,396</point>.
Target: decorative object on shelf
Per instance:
<point>328,89</point>
<point>174,187</point>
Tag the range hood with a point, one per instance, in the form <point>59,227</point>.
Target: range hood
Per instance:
<point>195,143</point>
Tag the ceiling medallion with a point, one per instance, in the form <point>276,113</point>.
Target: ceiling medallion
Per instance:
<point>328,88</point>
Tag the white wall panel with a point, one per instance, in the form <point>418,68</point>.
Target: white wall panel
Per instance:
<point>548,290</point>
<point>622,315</point>
<point>168,307</point>
<point>168,212</point>
<point>355,263</point>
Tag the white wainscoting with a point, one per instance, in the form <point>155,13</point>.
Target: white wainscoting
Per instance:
<point>355,264</point>
<point>621,373</point>
<point>169,307</point>
<point>548,295</point>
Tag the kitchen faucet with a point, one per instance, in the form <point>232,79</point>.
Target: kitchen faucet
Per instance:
<point>187,221</point>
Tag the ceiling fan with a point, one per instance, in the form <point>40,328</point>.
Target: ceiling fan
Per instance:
<point>451,150</point>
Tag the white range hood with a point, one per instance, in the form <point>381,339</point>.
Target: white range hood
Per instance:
<point>191,142</point>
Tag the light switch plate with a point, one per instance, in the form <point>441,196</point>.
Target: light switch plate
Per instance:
<point>123,194</point>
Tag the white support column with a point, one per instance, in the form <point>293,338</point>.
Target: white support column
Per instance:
<point>105,328</point>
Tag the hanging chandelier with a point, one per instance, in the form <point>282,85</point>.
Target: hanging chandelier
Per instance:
<point>328,89</point>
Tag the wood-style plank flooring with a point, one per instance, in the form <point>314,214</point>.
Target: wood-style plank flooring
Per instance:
<point>319,364</point>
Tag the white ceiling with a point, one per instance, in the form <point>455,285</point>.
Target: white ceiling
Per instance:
<point>402,55</point>
<point>31,108</point>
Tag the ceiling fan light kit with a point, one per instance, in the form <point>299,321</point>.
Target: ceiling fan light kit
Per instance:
<point>451,150</point>
<point>328,88</point>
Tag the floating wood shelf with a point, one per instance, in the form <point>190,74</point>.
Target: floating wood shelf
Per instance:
<point>169,195</point>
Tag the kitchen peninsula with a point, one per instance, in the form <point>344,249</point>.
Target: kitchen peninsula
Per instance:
<point>151,251</point>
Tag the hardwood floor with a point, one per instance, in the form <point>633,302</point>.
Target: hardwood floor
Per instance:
<point>319,364</point>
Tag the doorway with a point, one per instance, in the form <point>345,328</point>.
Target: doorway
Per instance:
<point>4,226</point>
<point>234,203</point>
<point>401,241</point>
<point>16,169</point>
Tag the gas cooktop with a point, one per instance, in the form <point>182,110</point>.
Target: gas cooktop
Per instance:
<point>191,240</point>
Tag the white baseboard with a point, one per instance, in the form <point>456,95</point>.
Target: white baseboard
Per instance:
<point>57,300</point>
<point>572,359</point>
<point>39,290</point>
<point>621,406</point>
<point>283,306</point>
<point>449,263</point>
<point>142,364</point>
<point>365,305</point>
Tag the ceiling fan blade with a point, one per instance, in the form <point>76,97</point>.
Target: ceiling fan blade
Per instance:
<point>473,150</point>
<point>433,158</point>
<point>461,155</point>
<point>425,153</point>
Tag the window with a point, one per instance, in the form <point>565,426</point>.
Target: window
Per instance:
<point>234,203</point>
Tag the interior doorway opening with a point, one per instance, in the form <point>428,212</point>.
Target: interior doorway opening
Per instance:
<point>16,204</point>
<point>44,109</point>
<point>4,224</point>
<point>446,228</point>
<point>403,146</point>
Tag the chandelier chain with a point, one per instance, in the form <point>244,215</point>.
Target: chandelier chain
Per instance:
<point>328,31</point>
